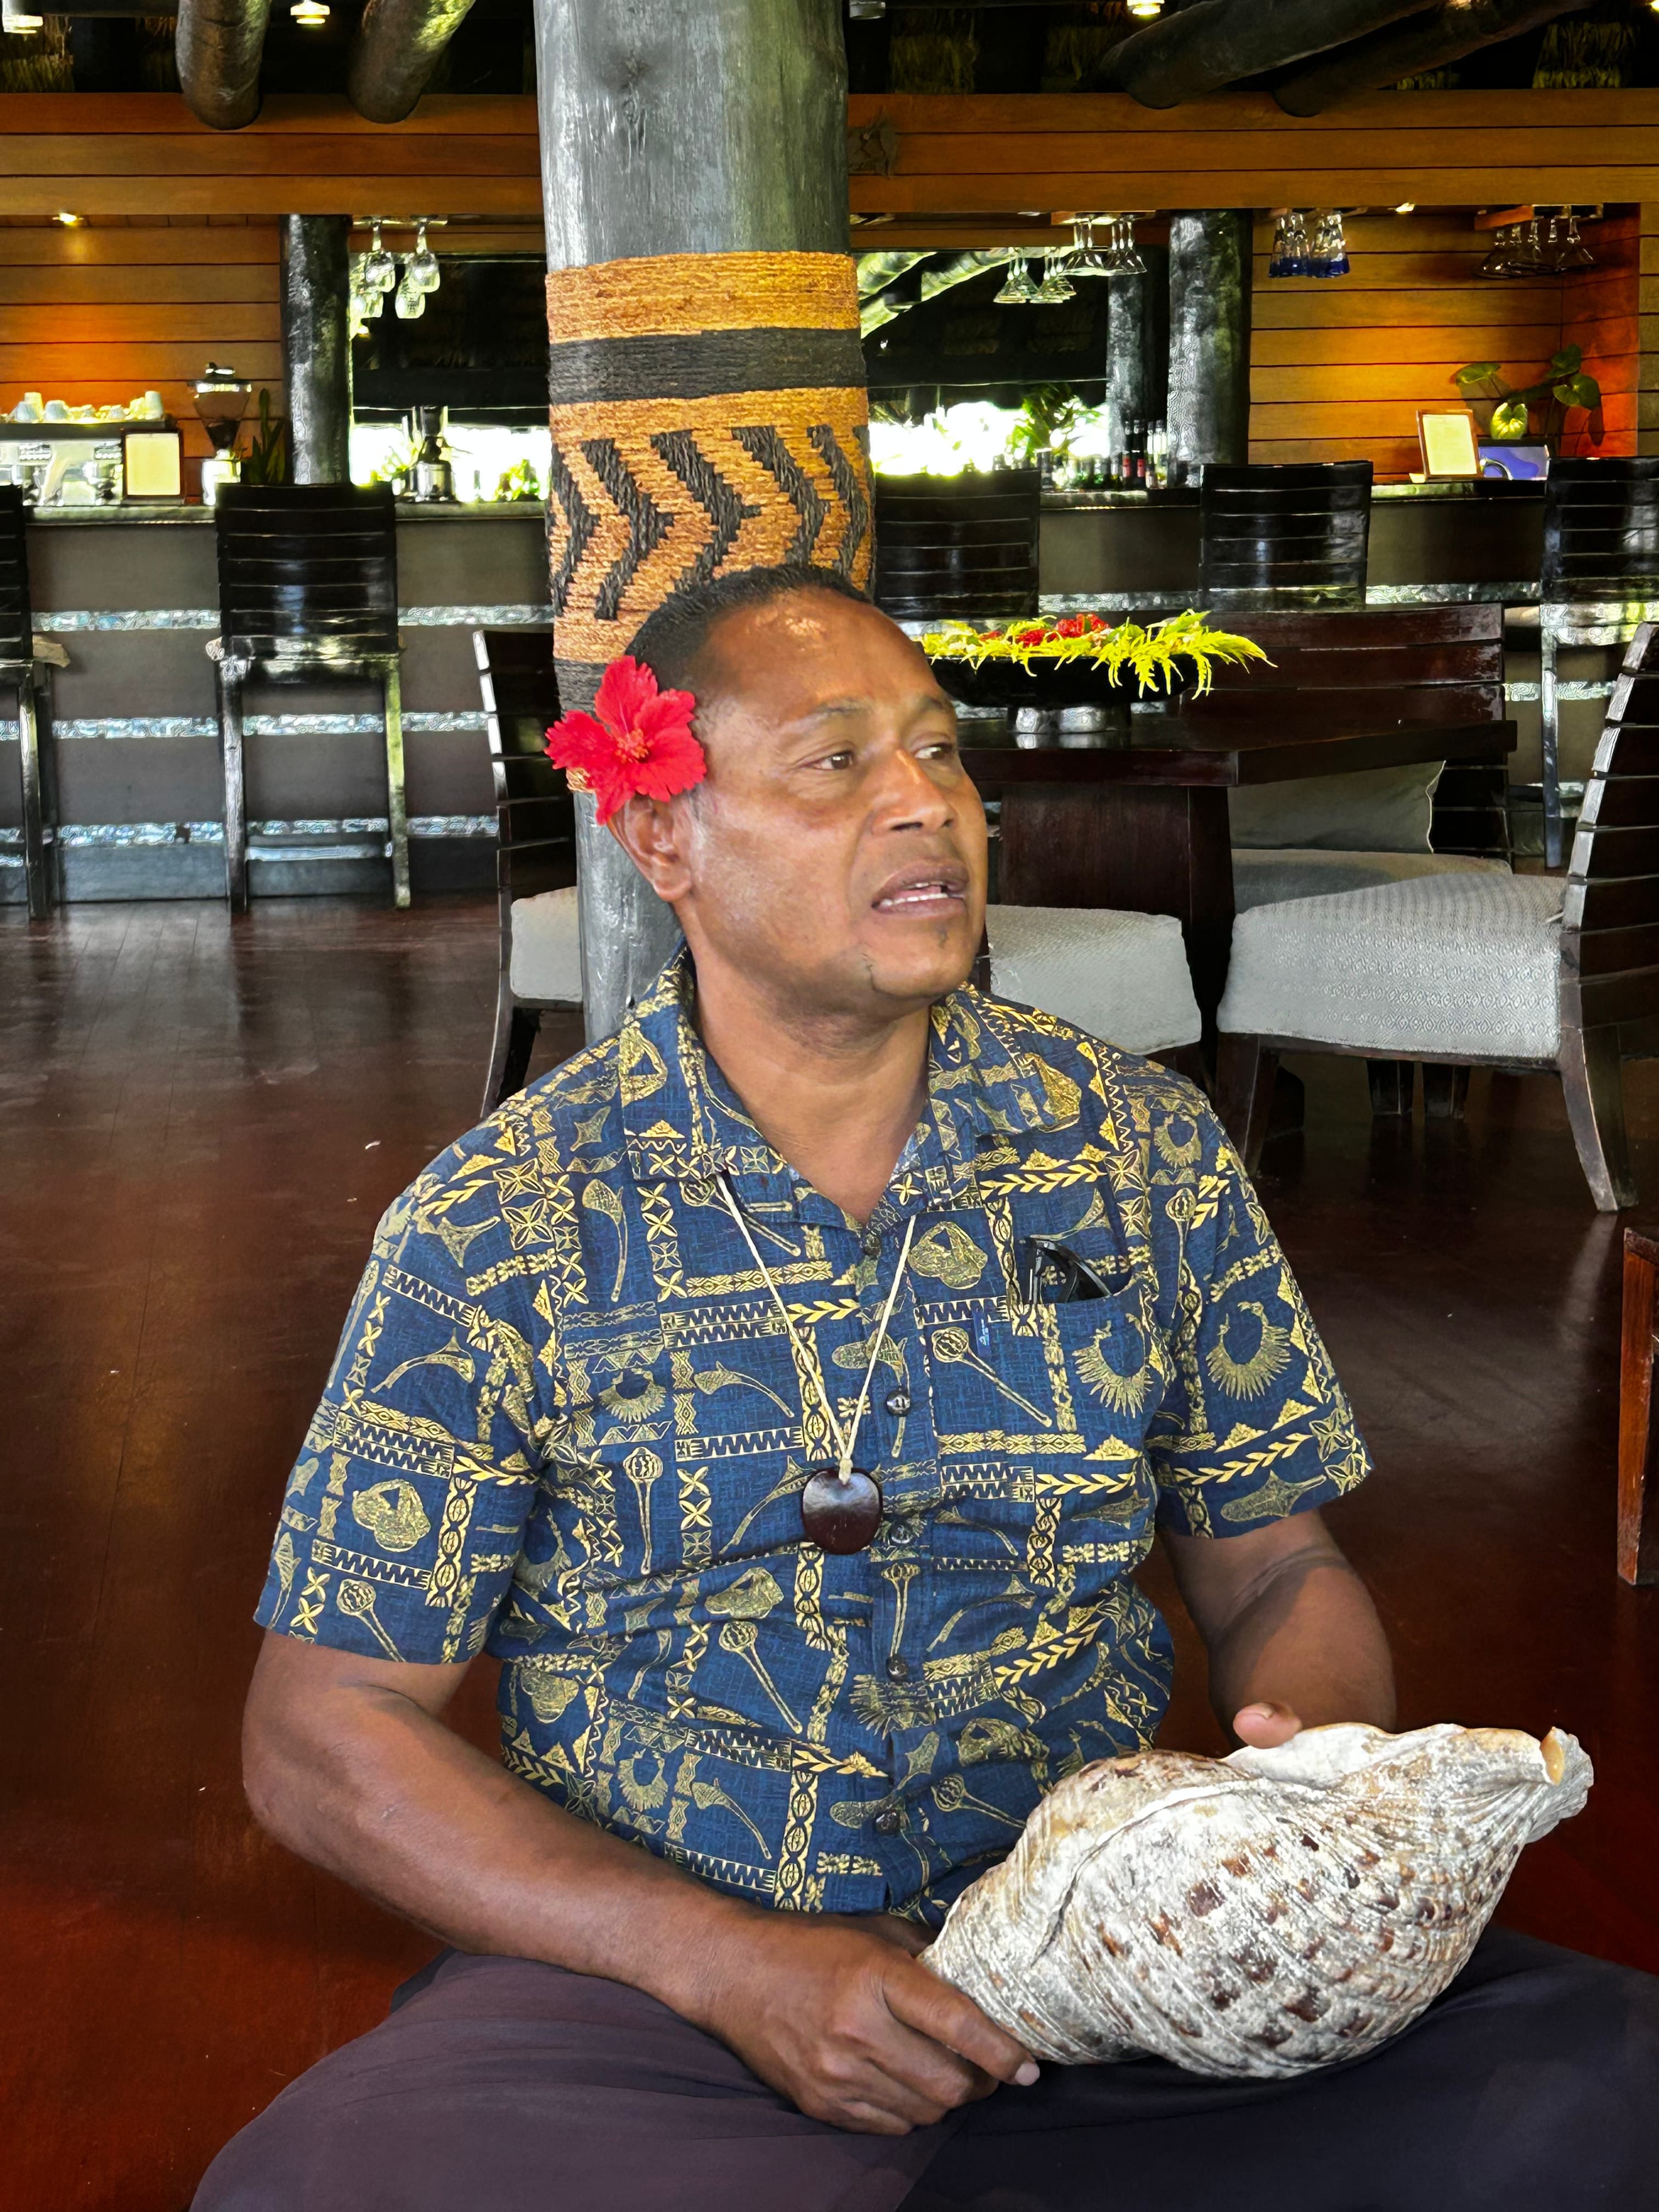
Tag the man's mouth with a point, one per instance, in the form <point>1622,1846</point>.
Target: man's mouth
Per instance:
<point>925,894</point>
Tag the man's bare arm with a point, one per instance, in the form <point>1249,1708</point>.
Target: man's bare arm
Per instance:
<point>348,1762</point>
<point>1293,1637</point>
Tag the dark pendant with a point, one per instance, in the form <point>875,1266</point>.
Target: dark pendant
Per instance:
<point>837,1516</point>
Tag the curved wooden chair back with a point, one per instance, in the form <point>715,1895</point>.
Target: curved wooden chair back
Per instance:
<point>1284,536</point>
<point>535,813</point>
<point>1610,916</point>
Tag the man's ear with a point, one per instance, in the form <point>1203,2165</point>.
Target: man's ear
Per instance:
<point>652,832</point>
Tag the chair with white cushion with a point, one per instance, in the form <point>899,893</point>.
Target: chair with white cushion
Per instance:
<point>1122,977</point>
<point>541,963</point>
<point>1521,972</point>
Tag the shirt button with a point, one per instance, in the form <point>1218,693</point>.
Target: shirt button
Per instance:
<point>903,1534</point>
<point>872,1243</point>
<point>888,1821</point>
<point>899,1669</point>
<point>897,1402</point>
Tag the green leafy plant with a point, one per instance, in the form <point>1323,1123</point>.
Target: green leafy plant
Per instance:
<point>1046,418</point>
<point>1153,654</point>
<point>1508,407</point>
<point>267,454</point>
<point>520,482</point>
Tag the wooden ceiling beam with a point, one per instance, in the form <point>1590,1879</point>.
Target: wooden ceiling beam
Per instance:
<point>1429,42</point>
<point>1215,43</point>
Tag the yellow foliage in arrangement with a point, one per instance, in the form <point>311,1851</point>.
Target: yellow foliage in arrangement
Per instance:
<point>1153,653</point>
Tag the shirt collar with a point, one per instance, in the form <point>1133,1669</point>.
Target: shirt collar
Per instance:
<point>683,1120</point>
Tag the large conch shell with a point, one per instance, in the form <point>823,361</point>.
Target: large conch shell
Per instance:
<point>1257,1915</point>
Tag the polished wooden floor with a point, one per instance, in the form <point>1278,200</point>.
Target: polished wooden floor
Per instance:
<point>199,1121</point>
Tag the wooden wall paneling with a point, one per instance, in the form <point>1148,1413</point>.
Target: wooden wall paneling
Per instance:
<point>92,316</point>
<point>1339,366</point>
<point>1439,148</point>
<point>1647,327</point>
<point>1599,312</point>
<point>145,155</point>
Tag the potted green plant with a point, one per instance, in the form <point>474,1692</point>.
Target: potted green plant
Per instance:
<point>1509,409</point>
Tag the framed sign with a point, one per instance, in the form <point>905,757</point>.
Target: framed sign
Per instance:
<point>1448,436</point>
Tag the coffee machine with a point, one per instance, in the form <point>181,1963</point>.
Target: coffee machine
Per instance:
<point>432,477</point>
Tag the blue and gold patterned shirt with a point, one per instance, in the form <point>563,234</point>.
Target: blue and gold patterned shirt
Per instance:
<point>566,1425</point>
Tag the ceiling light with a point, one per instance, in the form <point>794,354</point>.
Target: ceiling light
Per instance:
<point>1409,207</point>
<point>309,14</point>
<point>69,222</point>
<point>16,23</point>
<point>1146,9</point>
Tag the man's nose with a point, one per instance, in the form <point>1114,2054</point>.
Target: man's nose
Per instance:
<point>908,798</point>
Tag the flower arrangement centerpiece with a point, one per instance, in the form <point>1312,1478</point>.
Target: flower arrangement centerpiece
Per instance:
<point>1080,660</point>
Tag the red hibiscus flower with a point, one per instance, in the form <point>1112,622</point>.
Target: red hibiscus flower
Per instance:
<point>637,740</point>
<point>1030,633</point>
<point>1072,626</point>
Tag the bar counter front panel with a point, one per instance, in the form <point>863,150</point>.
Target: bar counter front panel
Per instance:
<point>132,596</point>
<point>133,599</point>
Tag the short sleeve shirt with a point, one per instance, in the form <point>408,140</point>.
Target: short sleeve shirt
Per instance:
<point>567,1424</point>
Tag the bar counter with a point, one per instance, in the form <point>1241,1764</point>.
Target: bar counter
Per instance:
<point>131,594</point>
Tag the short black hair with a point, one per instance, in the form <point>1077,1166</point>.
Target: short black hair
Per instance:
<point>671,641</point>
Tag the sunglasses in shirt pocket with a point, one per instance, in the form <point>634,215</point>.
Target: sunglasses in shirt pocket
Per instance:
<point>1052,1274</point>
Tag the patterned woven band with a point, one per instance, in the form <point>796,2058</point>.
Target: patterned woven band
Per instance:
<point>708,414</point>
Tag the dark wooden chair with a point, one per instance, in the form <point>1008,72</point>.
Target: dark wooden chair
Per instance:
<point>964,546</point>
<point>535,853</point>
<point>1638,1521</point>
<point>307,590</point>
<point>21,671</point>
<point>1599,583</point>
<point>1284,537</point>
<point>1534,973</point>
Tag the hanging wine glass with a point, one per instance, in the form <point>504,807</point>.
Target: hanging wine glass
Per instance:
<point>377,268</point>
<point>421,270</point>
<point>409,299</point>
<point>1527,259</point>
<point>1126,259</point>
<point>1054,290</point>
<point>1497,263</point>
<point>1085,260</point>
<point>1574,253</point>
<point>1328,251</point>
<point>1017,289</point>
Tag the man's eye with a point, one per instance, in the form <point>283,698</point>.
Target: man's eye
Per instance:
<point>837,760</point>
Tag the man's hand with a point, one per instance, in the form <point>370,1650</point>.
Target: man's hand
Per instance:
<point>838,2017</point>
<point>1265,1726</point>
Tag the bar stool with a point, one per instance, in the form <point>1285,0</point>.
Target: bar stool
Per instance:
<point>962,546</point>
<point>20,670</point>
<point>307,587</point>
<point>1284,536</point>
<point>1599,584</point>
<point>541,961</point>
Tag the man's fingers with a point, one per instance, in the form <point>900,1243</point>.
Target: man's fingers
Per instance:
<point>945,2016</point>
<point>1266,1725</point>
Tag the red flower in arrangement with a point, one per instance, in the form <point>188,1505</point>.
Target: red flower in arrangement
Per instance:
<point>1072,626</point>
<point>637,740</point>
<point>1030,633</point>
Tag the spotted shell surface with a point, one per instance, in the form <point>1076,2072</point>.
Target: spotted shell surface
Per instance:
<point>1263,1914</point>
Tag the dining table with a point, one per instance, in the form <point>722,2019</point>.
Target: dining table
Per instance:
<point>1145,825</point>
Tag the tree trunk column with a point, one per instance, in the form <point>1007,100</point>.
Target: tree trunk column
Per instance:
<point>708,409</point>
<point>1209,337</point>
<point>317,345</point>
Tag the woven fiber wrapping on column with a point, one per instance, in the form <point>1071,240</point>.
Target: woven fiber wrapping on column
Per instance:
<point>708,414</point>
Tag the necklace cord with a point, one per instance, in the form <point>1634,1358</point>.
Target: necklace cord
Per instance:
<point>846,1440</point>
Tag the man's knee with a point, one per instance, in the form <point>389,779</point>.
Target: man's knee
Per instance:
<point>1569,2106</point>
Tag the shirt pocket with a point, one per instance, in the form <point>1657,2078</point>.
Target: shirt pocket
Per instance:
<point>1102,1494</point>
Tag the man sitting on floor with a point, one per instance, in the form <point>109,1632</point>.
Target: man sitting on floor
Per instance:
<point>786,1390</point>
